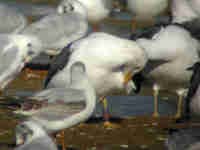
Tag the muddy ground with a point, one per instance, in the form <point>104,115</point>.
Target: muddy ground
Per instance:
<point>135,133</point>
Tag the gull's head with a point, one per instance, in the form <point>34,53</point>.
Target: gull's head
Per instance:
<point>27,131</point>
<point>130,61</point>
<point>30,46</point>
<point>110,61</point>
<point>16,51</point>
<point>70,6</point>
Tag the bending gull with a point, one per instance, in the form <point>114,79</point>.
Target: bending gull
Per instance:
<point>12,20</point>
<point>110,62</point>
<point>58,30</point>
<point>62,108</point>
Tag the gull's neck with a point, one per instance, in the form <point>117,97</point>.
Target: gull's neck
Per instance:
<point>90,96</point>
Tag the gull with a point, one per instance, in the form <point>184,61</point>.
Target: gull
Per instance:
<point>64,107</point>
<point>183,139</point>
<point>30,135</point>
<point>145,11</point>
<point>12,20</point>
<point>97,10</point>
<point>110,63</point>
<point>16,51</point>
<point>59,29</point>
<point>170,49</point>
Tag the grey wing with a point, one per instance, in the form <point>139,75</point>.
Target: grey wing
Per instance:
<point>42,143</point>
<point>8,56</point>
<point>67,95</point>
<point>52,29</point>
<point>12,20</point>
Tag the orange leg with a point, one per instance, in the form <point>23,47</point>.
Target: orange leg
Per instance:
<point>61,136</point>
<point>107,123</point>
<point>35,73</point>
<point>95,28</point>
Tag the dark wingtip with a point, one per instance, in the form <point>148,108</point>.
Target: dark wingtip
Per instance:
<point>172,131</point>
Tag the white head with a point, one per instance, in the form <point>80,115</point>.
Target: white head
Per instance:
<point>69,6</point>
<point>30,46</point>
<point>28,131</point>
<point>18,50</point>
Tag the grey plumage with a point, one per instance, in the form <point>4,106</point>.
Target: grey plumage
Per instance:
<point>12,20</point>
<point>183,139</point>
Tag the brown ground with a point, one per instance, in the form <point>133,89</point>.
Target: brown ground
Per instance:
<point>133,133</point>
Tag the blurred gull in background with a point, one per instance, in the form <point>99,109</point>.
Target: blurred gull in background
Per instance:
<point>59,29</point>
<point>110,63</point>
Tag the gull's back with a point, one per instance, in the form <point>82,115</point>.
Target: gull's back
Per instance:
<point>58,30</point>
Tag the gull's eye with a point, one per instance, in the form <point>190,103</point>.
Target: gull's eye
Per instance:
<point>120,68</point>
<point>30,52</point>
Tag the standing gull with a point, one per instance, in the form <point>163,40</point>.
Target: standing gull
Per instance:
<point>15,51</point>
<point>110,62</point>
<point>12,21</point>
<point>58,30</point>
<point>66,106</point>
<point>97,10</point>
<point>170,49</point>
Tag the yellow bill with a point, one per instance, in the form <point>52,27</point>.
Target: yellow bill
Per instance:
<point>128,77</point>
<point>129,84</point>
